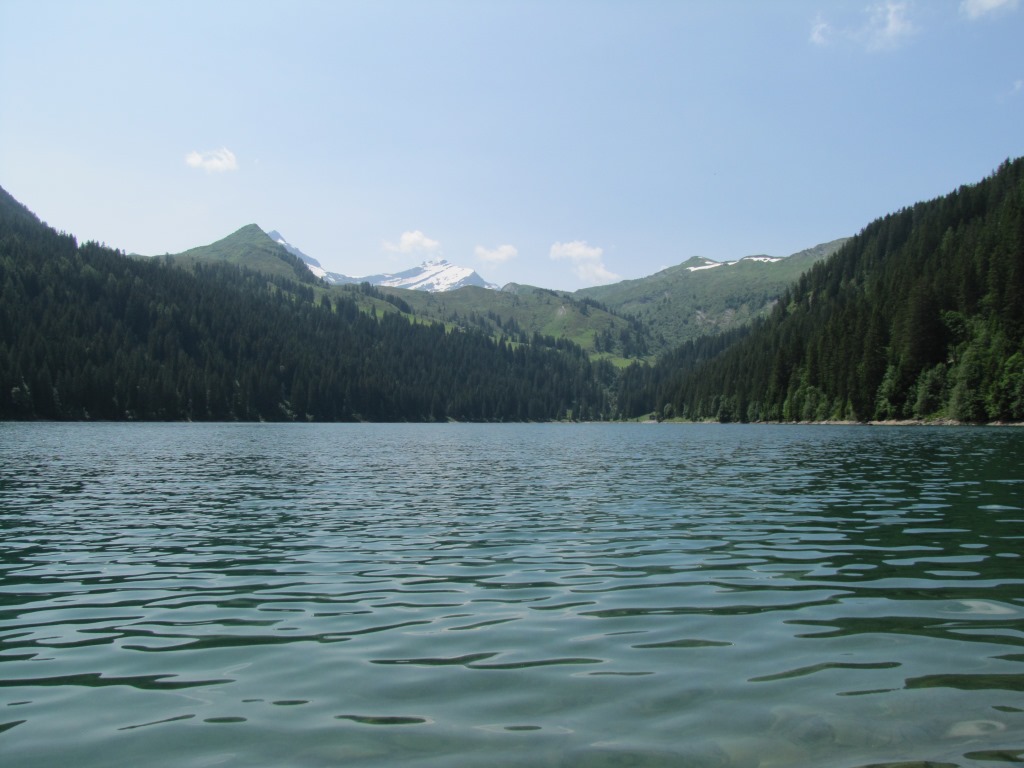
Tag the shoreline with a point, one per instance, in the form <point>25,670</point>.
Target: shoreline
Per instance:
<point>845,423</point>
<point>823,423</point>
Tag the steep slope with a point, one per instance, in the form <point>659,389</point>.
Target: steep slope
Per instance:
<point>313,265</point>
<point>700,296</point>
<point>921,315</point>
<point>15,218</point>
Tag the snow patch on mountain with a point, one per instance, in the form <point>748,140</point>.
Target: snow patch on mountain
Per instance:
<point>435,275</point>
<point>278,238</point>
<point>766,259</point>
<point>706,264</point>
<point>709,264</point>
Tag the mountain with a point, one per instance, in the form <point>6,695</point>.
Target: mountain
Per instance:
<point>435,276</point>
<point>629,320</point>
<point>313,264</point>
<point>249,247</point>
<point>921,315</point>
<point>524,314</point>
<point>701,296</point>
<point>89,333</point>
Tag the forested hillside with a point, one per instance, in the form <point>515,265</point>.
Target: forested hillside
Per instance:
<point>921,315</point>
<point>89,333</point>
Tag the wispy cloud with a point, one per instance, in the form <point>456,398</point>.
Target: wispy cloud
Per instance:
<point>587,261</point>
<point>886,26</point>
<point>498,255</point>
<point>821,32</point>
<point>214,161</point>
<point>975,9</point>
<point>413,242</point>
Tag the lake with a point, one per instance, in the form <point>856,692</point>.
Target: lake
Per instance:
<point>511,595</point>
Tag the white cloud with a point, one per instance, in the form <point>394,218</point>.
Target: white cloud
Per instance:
<point>586,260</point>
<point>498,255</point>
<point>888,25</point>
<point>413,242</point>
<point>975,9</point>
<point>821,32</point>
<point>214,161</point>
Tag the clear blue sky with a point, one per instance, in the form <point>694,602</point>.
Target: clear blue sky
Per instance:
<point>560,143</point>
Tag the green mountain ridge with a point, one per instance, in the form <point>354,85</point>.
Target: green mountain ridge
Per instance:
<point>248,247</point>
<point>694,298</point>
<point>631,320</point>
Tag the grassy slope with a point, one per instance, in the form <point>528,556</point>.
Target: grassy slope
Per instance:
<point>533,310</point>
<point>249,247</point>
<point>681,304</point>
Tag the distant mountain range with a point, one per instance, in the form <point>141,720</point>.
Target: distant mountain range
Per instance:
<point>701,296</point>
<point>920,316</point>
<point>434,275</point>
<point>630,319</point>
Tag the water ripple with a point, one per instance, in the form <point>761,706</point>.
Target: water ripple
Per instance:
<point>529,594</point>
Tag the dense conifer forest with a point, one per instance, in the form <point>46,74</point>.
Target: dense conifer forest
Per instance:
<point>921,315</point>
<point>89,333</point>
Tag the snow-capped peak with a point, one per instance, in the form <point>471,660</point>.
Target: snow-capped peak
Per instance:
<point>434,275</point>
<point>313,264</point>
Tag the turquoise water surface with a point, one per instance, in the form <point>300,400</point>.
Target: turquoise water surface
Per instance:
<point>510,595</point>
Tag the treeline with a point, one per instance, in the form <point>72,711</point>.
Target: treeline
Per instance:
<point>919,316</point>
<point>88,333</point>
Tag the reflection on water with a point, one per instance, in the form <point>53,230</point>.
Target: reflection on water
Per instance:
<point>463,595</point>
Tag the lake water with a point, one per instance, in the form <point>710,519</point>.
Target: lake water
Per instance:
<point>510,595</point>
